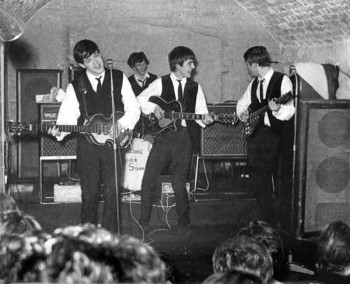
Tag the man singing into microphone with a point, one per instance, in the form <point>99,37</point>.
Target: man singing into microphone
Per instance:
<point>87,95</point>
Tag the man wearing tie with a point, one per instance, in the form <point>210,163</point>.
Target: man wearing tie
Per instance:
<point>174,147</point>
<point>87,95</point>
<point>270,146</point>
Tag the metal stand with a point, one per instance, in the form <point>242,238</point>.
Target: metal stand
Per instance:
<point>114,125</point>
<point>296,102</point>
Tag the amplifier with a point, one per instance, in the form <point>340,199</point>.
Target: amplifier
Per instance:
<point>223,140</point>
<point>49,146</point>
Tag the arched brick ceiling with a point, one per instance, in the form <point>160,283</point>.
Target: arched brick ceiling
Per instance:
<point>24,9</point>
<point>302,22</point>
<point>290,22</point>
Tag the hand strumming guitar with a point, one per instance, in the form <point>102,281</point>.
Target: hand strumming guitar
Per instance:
<point>158,112</point>
<point>54,131</point>
<point>208,118</point>
<point>244,116</point>
<point>274,106</point>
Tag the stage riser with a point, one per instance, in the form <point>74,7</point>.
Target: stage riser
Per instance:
<point>216,212</point>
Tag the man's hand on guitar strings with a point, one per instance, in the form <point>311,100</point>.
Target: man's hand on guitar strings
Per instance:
<point>208,118</point>
<point>244,116</point>
<point>54,131</point>
<point>273,106</point>
<point>158,112</point>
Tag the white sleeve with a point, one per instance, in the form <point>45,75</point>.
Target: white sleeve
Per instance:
<point>154,89</point>
<point>131,107</point>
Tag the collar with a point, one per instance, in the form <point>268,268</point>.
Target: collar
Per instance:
<point>137,77</point>
<point>92,77</point>
<point>175,79</point>
<point>267,76</point>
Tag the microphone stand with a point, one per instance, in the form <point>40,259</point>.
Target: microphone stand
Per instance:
<point>293,266</point>
<point>296,103</point>
<point>114,125</point>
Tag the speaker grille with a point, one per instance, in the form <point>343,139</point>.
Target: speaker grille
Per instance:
<point>49,146</point>
<point>325,176</point>
<point>221,140</point>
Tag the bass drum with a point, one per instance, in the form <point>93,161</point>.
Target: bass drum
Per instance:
<point>135,163</point>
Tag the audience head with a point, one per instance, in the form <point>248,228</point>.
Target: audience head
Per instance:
<point>232,277</point>
<point>95,255</point>
<point>19,224</point>
<point>244,254</point>
<point>334,248</point>
<point>263,232</point>
<point>8,206</point>
<point>23,257</point>
<point>179,55</point>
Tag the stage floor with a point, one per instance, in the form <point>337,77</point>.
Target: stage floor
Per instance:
<point>223,203</point>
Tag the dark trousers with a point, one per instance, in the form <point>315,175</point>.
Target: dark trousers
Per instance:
<point>174,147</point>
<point>263,150</point>
<point>96,167</point>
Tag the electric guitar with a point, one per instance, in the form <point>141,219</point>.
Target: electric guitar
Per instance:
<point>173,112</point>
<point>98,130</point>
<point>253,119</point>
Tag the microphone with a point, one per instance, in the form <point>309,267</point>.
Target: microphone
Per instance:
<point>110,63</point>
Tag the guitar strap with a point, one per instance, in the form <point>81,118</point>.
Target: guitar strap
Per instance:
<point>83,92</point>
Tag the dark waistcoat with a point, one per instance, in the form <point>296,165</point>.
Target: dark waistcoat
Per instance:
<point>136,87</point>
<point>188,104</point>
<point>273,91</point>
<point>98,103</point>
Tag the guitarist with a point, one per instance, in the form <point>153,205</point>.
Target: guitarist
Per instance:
<point>270,146</point>
<point>89,94</point>
<point>177,146</point>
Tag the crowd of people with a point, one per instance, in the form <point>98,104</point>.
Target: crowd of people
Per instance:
<point>87,253</point>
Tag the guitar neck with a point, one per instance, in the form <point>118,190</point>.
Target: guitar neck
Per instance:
<point>188,116</point>
<point>284,98</point>
<point>259,112</point>
<point>44,127</point>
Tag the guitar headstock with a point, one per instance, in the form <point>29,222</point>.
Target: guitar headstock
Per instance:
<point>227,118</point>
<point>18,127</point>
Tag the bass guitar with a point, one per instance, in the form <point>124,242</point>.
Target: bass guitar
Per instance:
<point>253,119</point>
<point>173,112</point>
<point>98,130</point>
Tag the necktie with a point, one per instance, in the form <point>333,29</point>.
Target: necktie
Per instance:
<point>142,82</point>
<point>179,91</point>
<point>261,90</point>
<point>99,86</point>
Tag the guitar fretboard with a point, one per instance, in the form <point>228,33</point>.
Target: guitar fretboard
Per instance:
<point>283,99</point>
<point>44,127</point>
<point>187,116</point>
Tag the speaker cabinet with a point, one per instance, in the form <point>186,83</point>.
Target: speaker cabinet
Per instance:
<point>223,140</point>
<point>31,82</point>
<point>322,168</point>
<point>49,146</point>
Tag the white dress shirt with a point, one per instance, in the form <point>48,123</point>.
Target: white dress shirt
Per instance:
<point>285,112</point>
<point>69,111</point>
<point>155,89</point>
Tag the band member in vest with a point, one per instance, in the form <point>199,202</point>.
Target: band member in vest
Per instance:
<point>139,81</point>
<point>270,145</point>
<point>87,95</point>
<point>172,146</point>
